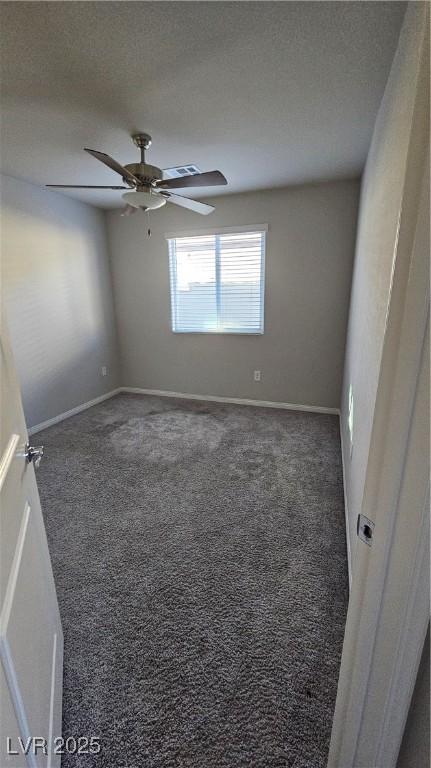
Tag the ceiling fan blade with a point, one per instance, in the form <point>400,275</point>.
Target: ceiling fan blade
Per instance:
<point>192,205</point>
<point>208,179</point>
<point>80,186</point>
<point>111,163</point>
<point>129,210</point>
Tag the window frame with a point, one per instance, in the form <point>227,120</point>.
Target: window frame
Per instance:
<point>258,228</point>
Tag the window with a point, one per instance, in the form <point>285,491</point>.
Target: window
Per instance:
<point>217,282</point>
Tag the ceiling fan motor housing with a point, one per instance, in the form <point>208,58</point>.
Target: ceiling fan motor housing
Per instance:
<point>146,174</point>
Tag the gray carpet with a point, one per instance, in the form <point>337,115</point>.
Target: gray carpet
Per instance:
<point>199,556</point>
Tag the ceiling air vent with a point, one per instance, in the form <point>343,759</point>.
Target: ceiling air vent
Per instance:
<point>182,170</point>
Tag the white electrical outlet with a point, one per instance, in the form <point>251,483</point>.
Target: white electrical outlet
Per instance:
<point>257,375</point>
<point>104,370</point>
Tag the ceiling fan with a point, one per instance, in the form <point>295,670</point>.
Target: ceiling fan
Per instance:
<point>150,189</point>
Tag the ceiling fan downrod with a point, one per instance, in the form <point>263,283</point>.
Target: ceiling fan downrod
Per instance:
<point>143,142</point>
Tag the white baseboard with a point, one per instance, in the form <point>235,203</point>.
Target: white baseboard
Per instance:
<point>181,395</point>
<point>234,400</point>
<point>72,412</point>
<point>345,456</point>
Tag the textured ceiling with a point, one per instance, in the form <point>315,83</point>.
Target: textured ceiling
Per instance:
<point>271,93</point>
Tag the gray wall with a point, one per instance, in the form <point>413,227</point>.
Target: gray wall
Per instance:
<point>310,245</point>
<point>57,290</point>
<point>381,199</point>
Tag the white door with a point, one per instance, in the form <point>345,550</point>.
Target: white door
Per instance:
<point>31,638</point>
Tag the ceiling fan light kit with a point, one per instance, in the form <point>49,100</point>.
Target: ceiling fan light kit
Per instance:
<point>145,199</point>
<point>148,190</point>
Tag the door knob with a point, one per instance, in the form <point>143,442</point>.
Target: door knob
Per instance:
<point>33,454</point>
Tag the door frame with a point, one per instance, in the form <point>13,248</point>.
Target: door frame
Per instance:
<point>380,658</point>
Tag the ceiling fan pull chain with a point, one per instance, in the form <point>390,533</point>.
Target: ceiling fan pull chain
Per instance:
<point>148,230</point>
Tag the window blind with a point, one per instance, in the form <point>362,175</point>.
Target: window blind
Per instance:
<point>217,282</point>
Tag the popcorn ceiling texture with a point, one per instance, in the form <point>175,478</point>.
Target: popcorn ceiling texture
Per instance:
<point>199,556</point>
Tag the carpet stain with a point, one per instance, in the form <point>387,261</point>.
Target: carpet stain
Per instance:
<point>199,556</point>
